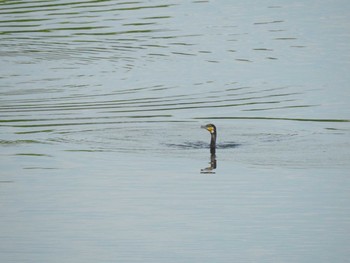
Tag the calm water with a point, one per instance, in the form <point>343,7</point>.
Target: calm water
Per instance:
<point>102,155</point>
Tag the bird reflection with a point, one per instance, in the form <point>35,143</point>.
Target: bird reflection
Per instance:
<point>212,167</point>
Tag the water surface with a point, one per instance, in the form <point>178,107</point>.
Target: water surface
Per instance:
<point>102,154</point>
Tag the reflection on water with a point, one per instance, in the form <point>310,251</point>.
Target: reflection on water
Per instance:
<point>100,103</point>
<point>212,167</point>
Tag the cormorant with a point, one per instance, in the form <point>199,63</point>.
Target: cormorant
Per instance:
<point>212,129</point>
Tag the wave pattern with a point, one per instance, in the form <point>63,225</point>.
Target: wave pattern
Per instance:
<point>155,104</point>
<point>128,31</point>
<point>93,66</point>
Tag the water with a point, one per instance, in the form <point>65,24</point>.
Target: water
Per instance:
<point>102,155</point>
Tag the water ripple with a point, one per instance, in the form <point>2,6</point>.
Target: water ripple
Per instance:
<point>84,68</point>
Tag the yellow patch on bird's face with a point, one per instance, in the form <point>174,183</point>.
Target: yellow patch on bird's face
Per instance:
<point>210,129</point>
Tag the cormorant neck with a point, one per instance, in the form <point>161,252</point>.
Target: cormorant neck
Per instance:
<point>213,143</point>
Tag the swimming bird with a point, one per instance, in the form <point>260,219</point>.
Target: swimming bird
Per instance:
<point>212,129</point>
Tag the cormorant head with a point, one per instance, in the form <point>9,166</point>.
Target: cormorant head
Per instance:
<point>210,128</point>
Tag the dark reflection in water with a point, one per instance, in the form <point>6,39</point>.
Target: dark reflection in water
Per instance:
<point>213,159</point>
<point>210,169</point>
<point>202,145</point>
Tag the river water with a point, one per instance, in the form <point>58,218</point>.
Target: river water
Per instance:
<point>102,155</point>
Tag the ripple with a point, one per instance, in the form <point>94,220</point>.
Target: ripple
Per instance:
<point>100,73</point>
<point>273,118</point>
<point>203,145</point>
<point>141,104</point>
<point>18,142</point>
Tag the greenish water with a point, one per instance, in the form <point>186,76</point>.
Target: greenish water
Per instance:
<point>102,155</point>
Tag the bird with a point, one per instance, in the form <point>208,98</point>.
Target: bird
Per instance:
<point>212,129</point>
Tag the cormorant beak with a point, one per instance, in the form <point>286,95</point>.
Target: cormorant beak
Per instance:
<point>208,128</point>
